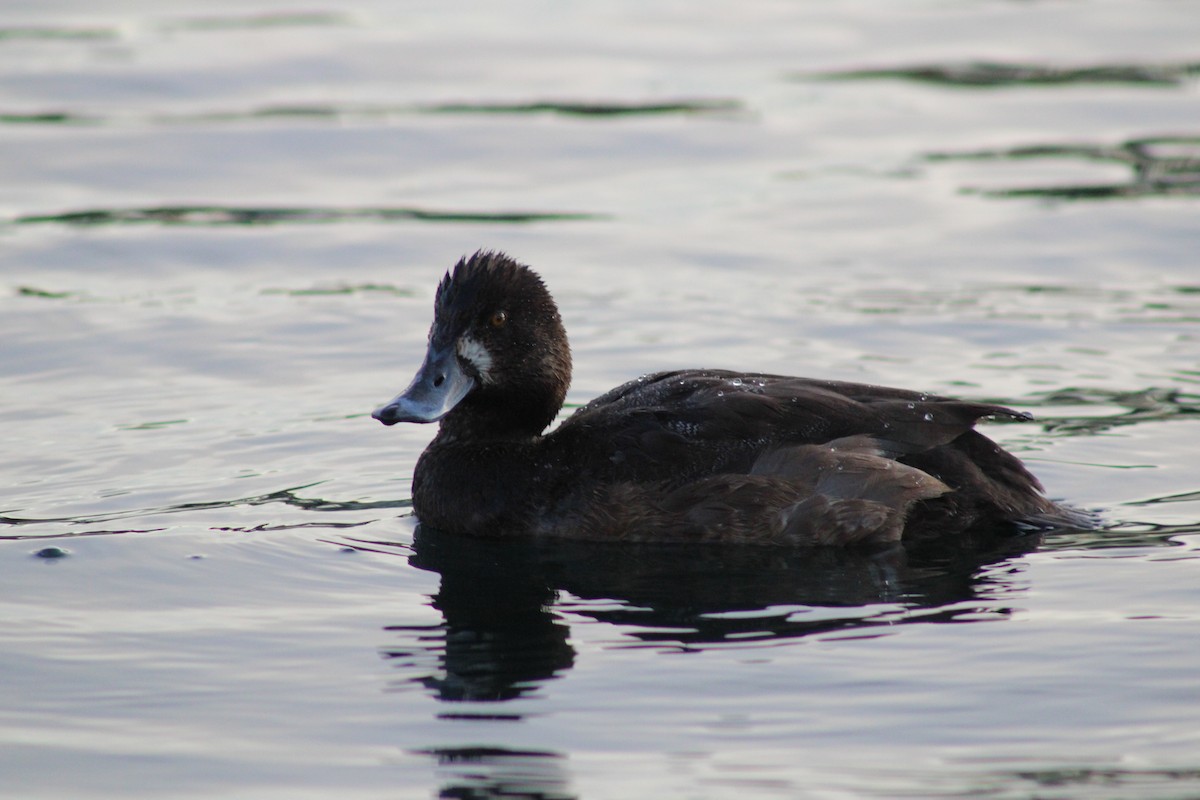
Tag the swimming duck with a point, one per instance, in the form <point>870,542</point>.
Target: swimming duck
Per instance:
<point>687,455</point>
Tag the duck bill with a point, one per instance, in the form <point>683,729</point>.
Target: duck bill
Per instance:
<point>438,387</point>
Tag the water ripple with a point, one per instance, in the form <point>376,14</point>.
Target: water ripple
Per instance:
<point>206,216</point>
<point>288,497</point>
<point>276,19</point>
<point>1109,782</point>
<point>9,33</point>
<point>596,109</point>
<point>1120,536</point>
<point>587,109</point>
<point>1145,405</point>
<point>1161,166</point>
<point>988,74</point>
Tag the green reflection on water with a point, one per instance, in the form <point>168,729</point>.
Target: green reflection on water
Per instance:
<point>335,112</point>
<point>987,74</point>
<point>55,32</point>
<point>225,215</point>
<point>1161,166</point>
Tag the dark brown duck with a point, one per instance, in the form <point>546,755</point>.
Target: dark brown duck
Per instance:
<point>689,455</point>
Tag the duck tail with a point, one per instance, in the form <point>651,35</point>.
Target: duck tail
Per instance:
<point>1056,516</point>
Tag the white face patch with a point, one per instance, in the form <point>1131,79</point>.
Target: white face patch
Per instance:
<point>477,356</point>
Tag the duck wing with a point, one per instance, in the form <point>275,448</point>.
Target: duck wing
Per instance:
<point>675,428</point>
<point>688,422</point>
<point>845,492</point>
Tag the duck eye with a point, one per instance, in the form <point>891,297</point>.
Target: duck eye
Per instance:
<point>497,319</point>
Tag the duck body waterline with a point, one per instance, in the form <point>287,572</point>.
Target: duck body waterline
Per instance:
<point>687,455</point>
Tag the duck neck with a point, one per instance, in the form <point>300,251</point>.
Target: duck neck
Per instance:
<point>471,486</point>
<point>491,415</point>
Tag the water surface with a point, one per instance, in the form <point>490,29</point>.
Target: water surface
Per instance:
<point>221,234</point>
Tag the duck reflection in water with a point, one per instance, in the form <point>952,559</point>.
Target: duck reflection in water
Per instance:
<point>501,772</point>
<point>503,636</point>
<point>701,505</point>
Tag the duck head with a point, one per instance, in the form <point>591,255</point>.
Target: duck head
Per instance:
<point>498,361</point>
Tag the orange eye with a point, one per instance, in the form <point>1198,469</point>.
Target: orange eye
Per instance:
<point>498,319</point>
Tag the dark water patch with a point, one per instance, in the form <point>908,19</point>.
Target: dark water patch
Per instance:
<point>66,118</point>
<point>277,19</point>
<point>770,626</point>
<point>302,112</point>
<point>995,74</point>
<point>456,754</point>
<point>500,772</point>
<point>218,216</point>
<point>1143,405</point>
<point>264,527</point>
<point>53,33</point>
<point>582,109</point>
<point>1161,166</point>
<point>152,426</point>
<point>339,113</point>
<point>52,552</point>
<point>508,606</point>
<point>1123,535</point>
<point>71,535</point>
<point>1110,782</point>
<point>385,547</point>
<point>506,631</point>
<point>288,497</point>
<point>1180,497</point>
<point>331,290</point>
<point>46,294</point>
<point>569,108</point>
<point>483,717</point>
<point>1116,191</point>
<point>343,289</point>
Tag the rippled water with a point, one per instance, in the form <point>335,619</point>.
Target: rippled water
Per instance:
<point>220,234</point>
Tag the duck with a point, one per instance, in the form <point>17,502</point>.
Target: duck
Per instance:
<point>687,455</point>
